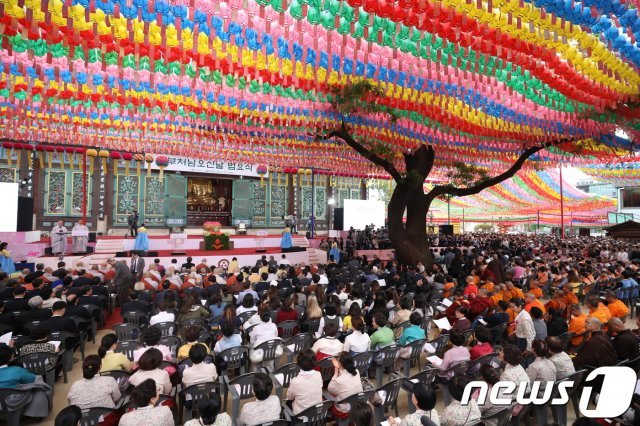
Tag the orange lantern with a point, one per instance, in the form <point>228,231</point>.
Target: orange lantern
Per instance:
<point>139,158</point>
<point>149,160</point>
<point>91,154</point>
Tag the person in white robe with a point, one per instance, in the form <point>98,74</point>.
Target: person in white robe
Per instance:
<point>59,238</point>
<point>80,243</point>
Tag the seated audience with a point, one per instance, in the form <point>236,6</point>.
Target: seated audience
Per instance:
<point>149,364</point>
<point>199,371</point>
<point>151,338</point>
<point>11,375</point>
<point>598,350</point>
<point>305,390</point>
<point>357,341</point>
<point>456,414</point>
<point>266,408</point>
<point>112,360</point>
<point>191,335</point>
<point>328,345</point>
<point>424,398</point>
<point>562,361</point>
<point>344,383</point>
<point>145,396</point>
<point>210,415</point>
<point>163,315</point>
<point>623,340</point>
<point>483,347</point>
<point>94,390</point>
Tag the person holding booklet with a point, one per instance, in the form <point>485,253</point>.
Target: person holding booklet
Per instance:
<point>458,353</point>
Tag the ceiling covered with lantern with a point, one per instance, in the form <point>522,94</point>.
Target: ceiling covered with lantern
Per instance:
<point>251,80</point>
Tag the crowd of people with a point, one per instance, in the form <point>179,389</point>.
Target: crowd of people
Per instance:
<point>516,308</point>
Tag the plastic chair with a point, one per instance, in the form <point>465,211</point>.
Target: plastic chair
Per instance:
<point>440,344</point>
<point>566,339</point>
<point>241,388</point>
<point>444,376</point>
<point>312,416</point>
<point>282,376</point>
<point>425,377</point>
<point>473,369</point>
<point>207,338</point>
<point>497,333</point>
<point>560,411</point>
<point>426,324</point>
<point>126,331</point>
<point>172,342</point>
<point>246,315</point>
<point>269,352</point>
<point>92,416</point>
<point>67,346</point>
<point>12,418</point>
<point>296,344</point>
<point>363,362</point>
<point>237,357</point>
<point>97,313</point>
<point>167,328</point>
<point>414,356</point>
<point>196,393</point>
<point>384,358</point>
<point>137,318</point>
<point>38,363</point>
<point>501,418</point>
<point>288,328</point>
<point>198,322</point>
<point>127,347</point>
<point>351,400</point>
<point>300,310</point>
<point>208,359</point>
<point>391,390</point>
<point>121,377</point>
<point>312,326</point>
<point>84,324</point>
<point>326,369</point>
<point>30,327</point>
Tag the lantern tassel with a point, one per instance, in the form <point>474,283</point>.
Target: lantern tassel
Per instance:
<point>104,166</point>
<point>126,168</point>
<point>161,173</point>
<point>9,156</point>
<point>49,159</point>
<point>18,153</point>
<point>138,168</point>
<point>91,165</point>
<point>115,167</point>
<point>70,160</point>
<point>41,159</point>
<point>29,161</point>
<point>149,169</point>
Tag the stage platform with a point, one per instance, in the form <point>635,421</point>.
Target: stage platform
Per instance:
<point>245,250</point>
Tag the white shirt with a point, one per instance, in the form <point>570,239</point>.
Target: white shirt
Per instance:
<point>357,342</point>
<point>162,317</point>
<point>284,262</point>
<point>242,309</point>
<point>328,345</point>
<point>263,332</point>
<point>323,280</point>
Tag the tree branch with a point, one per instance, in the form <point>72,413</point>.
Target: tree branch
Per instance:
<point>484,184</point>
<point>343,134</point>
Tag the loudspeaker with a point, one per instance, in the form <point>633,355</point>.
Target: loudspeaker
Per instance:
<point>48,251</point>
<point>293,249</point>
<point>173,253</point>
<point>446,229</point>
<point>25,214</point>
<point>338,219</point>
<point>92,237</point>
<point>153,254</point>
<point>122,254</point>
<point>261,250</point>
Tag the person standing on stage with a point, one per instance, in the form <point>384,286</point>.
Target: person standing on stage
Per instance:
<point>132,221</point>
<point>6,262</point>
<point>59,238</point>
<point>286,241</point>
<point>80,243</point>
<point>142,240</point>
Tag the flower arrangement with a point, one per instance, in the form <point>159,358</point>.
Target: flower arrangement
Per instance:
<point>212,228</point>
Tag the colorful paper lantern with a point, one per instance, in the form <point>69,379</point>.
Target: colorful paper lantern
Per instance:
<point>139,159</point>
<point>127,157</point>
<point>29,151</point>
<point>104,157</point>
<point>115,158</point>
<point>162,161</point>
<point>8,148</point>
<point>91,155</point>
<point>262,169</point>
<point>148,158</point>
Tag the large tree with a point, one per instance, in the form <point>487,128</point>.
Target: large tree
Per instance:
<point>409,238</point>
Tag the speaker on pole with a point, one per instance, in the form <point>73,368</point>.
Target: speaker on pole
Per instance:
<point>338,219</point>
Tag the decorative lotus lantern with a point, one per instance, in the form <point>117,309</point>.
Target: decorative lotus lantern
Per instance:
<point>41,149</point>
<point>127,157</point>
<point>50,151</point>
<point>8,147</point>
<point>262,170</point>
<point>91,154</point>
<point>294,172</point>
<point>60,150</point>
<point>115,157</point>
<point>162,161</point>
<point>286,172</point>
<point>70,151</point>
<point>104,156</point>
<point>17,147</point>
<point>29,148</point>
<point>79,152</point>
<point>139,158</point>
<point>148,158</point>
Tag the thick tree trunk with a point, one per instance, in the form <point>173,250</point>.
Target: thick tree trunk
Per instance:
<point>409,239</point>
